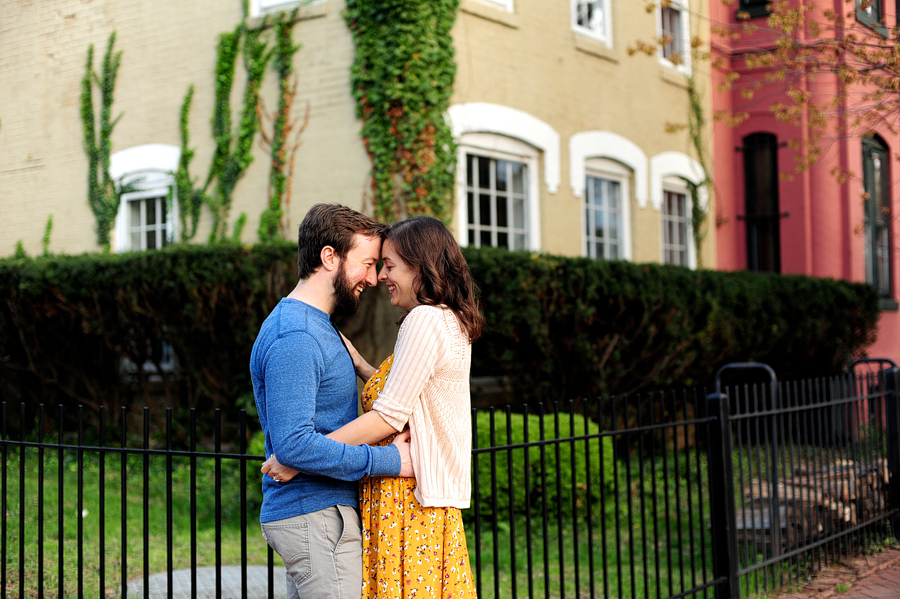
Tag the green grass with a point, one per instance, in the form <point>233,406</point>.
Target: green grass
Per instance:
<point>661,560</point>
<point>29,537</point>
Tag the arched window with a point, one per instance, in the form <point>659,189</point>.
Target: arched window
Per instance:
<point>146,218</point>
<point>762,213</point>
<point>877,207</point>
<point>498,189</point>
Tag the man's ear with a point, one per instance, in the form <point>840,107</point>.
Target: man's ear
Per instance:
<point>329,257</point>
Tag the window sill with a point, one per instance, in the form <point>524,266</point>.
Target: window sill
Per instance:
<point>490,13</point>
<point>307,11</point>
<point>867,21</point>
<point>595,48</point>
<point>887,304</point>
<point>673,76</point>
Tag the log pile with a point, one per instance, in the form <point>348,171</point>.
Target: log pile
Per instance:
<point>814,502</point>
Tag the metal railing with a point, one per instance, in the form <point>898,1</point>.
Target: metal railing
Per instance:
<point>657,495</point>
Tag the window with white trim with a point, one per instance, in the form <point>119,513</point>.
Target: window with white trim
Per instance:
<point>498,192</point>
<point>591,18</point>
<point>606,196</point>
<point>496,202</point>
<point>148,220</point>
<point>674,33</point>
<point>676,228</point>
<point>263,7</point>
<point>505,5</point>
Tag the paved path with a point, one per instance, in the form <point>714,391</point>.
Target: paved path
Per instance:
<point>257,583</point>
<point>869,577</point>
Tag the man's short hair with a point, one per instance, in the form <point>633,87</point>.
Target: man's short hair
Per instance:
<point>331,225</point>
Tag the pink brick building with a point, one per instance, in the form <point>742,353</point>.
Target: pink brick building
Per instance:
<point>774,217</point>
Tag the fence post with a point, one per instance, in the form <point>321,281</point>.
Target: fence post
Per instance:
<point>892,385</point>
<point>721,491</point>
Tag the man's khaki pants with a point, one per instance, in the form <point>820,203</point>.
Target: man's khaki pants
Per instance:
<point>322,552</point>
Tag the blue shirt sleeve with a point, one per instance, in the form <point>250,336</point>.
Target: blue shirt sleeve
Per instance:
<point>293,370</point>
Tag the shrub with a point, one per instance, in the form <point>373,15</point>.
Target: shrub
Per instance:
<point>559,328</point>
<point>531,491</point>
<point>572,327</point>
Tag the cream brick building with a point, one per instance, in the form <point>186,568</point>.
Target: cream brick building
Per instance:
<point>546,95</point>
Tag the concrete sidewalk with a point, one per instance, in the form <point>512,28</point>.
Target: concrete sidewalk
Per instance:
<point>875,576</point>
<point>257,583</point>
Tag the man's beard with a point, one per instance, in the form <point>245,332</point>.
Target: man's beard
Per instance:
<point>346,302</point>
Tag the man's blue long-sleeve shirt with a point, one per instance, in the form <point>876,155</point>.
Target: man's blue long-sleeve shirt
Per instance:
<point>304,384</point>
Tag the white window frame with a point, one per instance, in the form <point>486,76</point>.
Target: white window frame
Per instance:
<point>677,185</point>
<point>682,7</point>
<point>604,36</point>
<point>612,170</point>
<point>161,192</point>
<point>532,137</point>
<point>259,8</point>
<point>666,168</point>
<point>499,147</point>
<point>504,5</point>
<point>149,171</point>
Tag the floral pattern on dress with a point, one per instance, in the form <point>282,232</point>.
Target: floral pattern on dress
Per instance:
<point>409,550</point>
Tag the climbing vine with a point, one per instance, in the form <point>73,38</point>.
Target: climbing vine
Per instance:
<point>402,79</point>
<point>103,195</point>
<point>233,144</point>
<point>281,144</point>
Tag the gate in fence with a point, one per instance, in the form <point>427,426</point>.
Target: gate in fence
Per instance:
<point>657,495</point>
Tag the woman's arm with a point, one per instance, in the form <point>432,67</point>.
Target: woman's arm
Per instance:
<point>364,370</point>
<point>345,434</point>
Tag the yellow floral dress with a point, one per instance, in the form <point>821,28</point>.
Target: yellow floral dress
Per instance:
<point>408,550</point>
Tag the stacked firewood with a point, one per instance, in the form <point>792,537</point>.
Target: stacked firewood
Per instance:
<point>816,501</point>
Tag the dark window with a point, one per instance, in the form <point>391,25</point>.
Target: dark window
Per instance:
<point>871,13</point>
<point>877,207</point>
<point>761,196</point>
<point>755,8</point>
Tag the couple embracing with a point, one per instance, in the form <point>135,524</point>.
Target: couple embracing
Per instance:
<point>390,534</point>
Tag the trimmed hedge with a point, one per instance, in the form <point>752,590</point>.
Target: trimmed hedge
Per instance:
<point>564,328</point>
<point>558,327</point>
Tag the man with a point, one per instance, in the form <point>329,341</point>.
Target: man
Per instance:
<point>304,384</point>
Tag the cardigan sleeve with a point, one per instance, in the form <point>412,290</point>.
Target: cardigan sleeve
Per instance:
<point>421,346</point>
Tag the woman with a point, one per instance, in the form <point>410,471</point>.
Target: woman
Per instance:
<point>413,539</point>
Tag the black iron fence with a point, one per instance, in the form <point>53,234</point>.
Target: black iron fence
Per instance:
<point>659,495</point>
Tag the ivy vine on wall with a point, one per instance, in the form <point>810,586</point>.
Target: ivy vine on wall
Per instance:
<point>402,79</point>
<point>103,194</point>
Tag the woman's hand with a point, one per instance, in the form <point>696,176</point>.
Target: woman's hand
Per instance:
<point>277,471</point>
<point>364,370</point>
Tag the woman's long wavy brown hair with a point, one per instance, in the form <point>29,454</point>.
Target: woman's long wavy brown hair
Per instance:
<point>428,247</point>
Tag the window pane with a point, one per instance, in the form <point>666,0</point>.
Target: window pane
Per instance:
<point>519,172</point>
<point>151,239</point>
<point>519,241</point>
<point>134,215</point>
<point>136,240</point>
<point>471,237</point>
<point>484,173</point>
<point>502,170</point>
<point>470,208</point>
<point>502,219</point>
<point>503,240</point>
<point>484,209</point>
<point>599,223</point>
<point>519,213</point>
<point>486,238</point>
<point>151,211</point>
<point>469,169</point>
